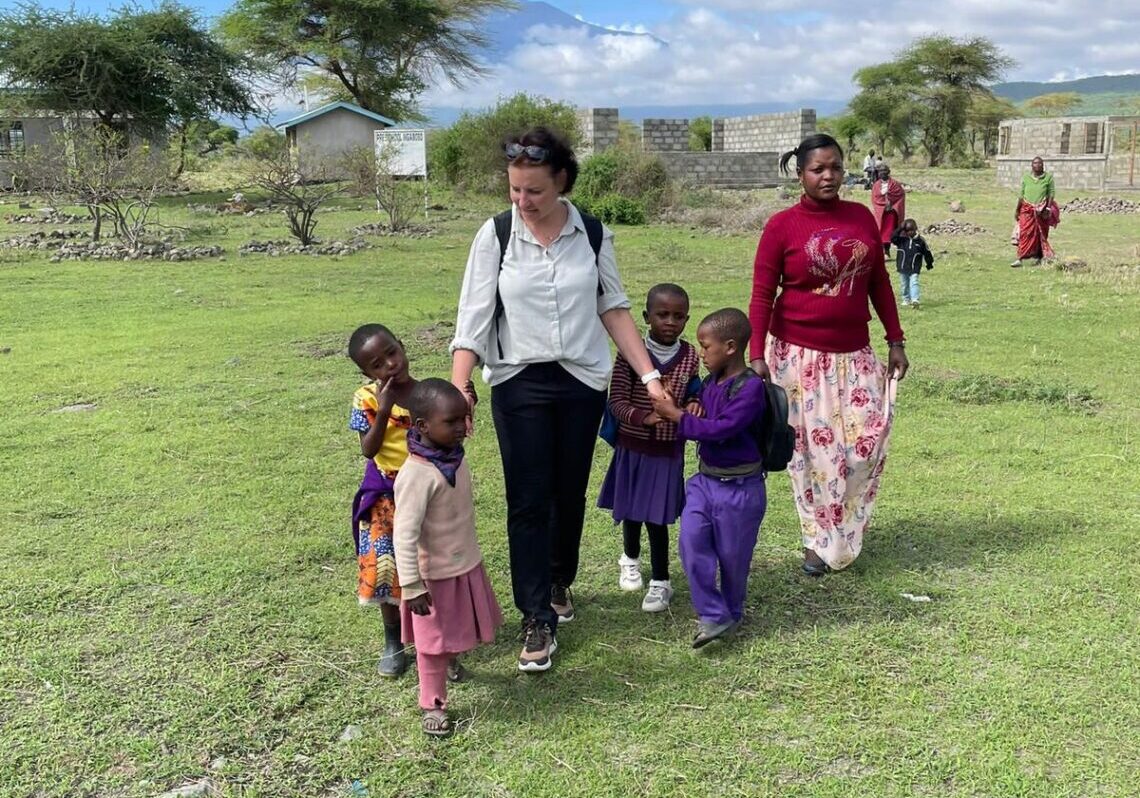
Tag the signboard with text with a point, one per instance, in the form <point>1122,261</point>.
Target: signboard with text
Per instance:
<point>403,151</point>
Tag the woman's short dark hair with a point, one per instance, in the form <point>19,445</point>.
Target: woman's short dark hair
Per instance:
<point>559,155</point>
<point>816,141</point>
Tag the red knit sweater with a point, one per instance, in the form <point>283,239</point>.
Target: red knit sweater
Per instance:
<point>827,260</point>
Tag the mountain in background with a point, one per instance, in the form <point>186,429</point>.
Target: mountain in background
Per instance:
<point>506,30</point>
<point>1024,90</point>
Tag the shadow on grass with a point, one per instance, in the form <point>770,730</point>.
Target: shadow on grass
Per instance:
<point>614,653</point>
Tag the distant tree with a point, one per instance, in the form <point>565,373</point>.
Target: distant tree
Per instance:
<point>141,72</point>
<point>929,89</point>
<point>847,128</point>
<point>202,137</point>
<point>263,142</point>
<point>629,135</point>
<point>1055,104</point>
<point>983,119</point>
<point>700,134</point>
<point>379,54</point>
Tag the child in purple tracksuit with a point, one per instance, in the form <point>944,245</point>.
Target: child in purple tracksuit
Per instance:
<point>725,501</point>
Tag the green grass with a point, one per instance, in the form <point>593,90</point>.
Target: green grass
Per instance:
<point>178,581</point>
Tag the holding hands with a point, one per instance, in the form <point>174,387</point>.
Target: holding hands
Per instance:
<point>664,407</point>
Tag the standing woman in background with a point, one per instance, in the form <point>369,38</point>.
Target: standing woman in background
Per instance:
<point>826,257</point>
<point>1035,213</point>
<point>539,311</point>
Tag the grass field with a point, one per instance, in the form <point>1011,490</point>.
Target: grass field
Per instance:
<point>177,588</point>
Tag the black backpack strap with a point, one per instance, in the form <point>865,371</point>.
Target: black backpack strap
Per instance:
<point>503,233</point>
<point>594,234</point>
<point>740,380</point>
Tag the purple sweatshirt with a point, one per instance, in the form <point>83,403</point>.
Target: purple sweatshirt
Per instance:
<point>724,434</point>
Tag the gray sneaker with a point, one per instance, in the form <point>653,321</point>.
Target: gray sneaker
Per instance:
<point>658,596</point>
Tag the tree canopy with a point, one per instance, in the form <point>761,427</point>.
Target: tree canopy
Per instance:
<point>1054,104</point>
<point>379,54</point>
<point>928,91</point>
<point>134,70</point>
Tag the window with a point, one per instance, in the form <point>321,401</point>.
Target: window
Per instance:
<point>1066,130</point>
<point>1003,140</point>
<point>11,139</point>
<point>1092,138</point>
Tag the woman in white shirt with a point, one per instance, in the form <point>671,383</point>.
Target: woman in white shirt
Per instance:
<point>538,314</point>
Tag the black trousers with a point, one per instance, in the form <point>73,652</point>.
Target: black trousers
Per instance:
<point>547,424</point>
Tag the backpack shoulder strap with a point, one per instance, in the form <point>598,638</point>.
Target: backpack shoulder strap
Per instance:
<point>740,380</point>
<point>503,232</point>
<point>593,227</point>
<point>594,233</point>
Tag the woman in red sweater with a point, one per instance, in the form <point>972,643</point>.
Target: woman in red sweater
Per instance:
<point>825,257</point>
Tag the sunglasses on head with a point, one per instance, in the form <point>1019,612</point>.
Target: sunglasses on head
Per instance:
<point>533,152</point>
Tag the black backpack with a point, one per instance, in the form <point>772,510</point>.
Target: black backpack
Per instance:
<point>503,222</point>
<point>774,435</point>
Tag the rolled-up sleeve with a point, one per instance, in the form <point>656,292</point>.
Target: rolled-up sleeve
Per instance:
<point>477,296</point>
<point>613,292</point>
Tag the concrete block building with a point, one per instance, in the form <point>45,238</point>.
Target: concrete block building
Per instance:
<point>1090,153</point>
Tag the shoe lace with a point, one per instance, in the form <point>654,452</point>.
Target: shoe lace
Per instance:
<point>656,593</point>
<point>630,571</point>
<point>536,635</point>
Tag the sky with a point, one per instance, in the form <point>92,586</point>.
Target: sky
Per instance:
<point>736,51</point>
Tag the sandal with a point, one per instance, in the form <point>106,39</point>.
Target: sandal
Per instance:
<point>815,567</point>
<point>435,723</point>
<point>456,673</point>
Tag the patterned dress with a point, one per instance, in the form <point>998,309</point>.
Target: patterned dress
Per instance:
<point>373,508</point>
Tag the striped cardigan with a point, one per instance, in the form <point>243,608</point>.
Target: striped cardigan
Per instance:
<point>629,402</point>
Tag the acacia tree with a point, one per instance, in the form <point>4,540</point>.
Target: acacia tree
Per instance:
<point>136,72</point>
<point>932,84</point>
<point>1056,103</point>
<point>379,54</point>
<point>985,117</point>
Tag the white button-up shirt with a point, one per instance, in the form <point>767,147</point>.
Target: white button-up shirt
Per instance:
<point>551,304</point>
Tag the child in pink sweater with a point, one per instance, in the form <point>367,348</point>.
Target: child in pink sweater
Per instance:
<point>448,604</point>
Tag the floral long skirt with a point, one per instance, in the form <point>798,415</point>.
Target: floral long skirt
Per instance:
<point>377,582</point>
<point>836,404</point>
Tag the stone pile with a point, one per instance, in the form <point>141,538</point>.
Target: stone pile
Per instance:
<point>1100,205</point>
<point>953,227</point>
<point>44,239</point>
<point>165,251</point>
<point>47,216</point>
<point>378,229</point>
<point>275,248</point>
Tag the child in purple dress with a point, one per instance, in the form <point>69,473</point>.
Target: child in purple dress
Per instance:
<point>646,480</point>
<point>725,501</point>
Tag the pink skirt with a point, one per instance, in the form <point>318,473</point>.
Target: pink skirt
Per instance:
<point>836,406</point>
<point>464,613</point>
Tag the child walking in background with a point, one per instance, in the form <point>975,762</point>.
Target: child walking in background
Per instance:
<point>725,501</point>
<point>379,414</point>
<point>448,604</point>
<point>911,252</point>
<point>645,483</point>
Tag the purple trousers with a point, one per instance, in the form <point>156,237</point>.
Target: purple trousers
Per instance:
<point>719,527</point>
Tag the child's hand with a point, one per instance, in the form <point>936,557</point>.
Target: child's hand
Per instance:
<point>694,408</point>
<point>385,399</point>
<point>666,408</point>
<point>420,605</point>
<point>651,420</point>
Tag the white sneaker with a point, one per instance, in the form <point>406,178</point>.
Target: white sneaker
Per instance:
<point>630,578</point>
<point>657,599</point>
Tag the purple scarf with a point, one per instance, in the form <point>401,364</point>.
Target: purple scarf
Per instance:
<point>446,460</point>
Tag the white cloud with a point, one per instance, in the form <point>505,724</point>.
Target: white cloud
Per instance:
<point>737,51</point>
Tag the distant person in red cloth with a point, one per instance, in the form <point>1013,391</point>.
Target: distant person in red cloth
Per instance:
<point>819,269</point>
<point>1036,212</point>
<point>888,202</point>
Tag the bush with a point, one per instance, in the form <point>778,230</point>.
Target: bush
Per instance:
<point>469,153</point>
<point>626,173</point>
<point>264,143</point>
<point>615,209</point>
